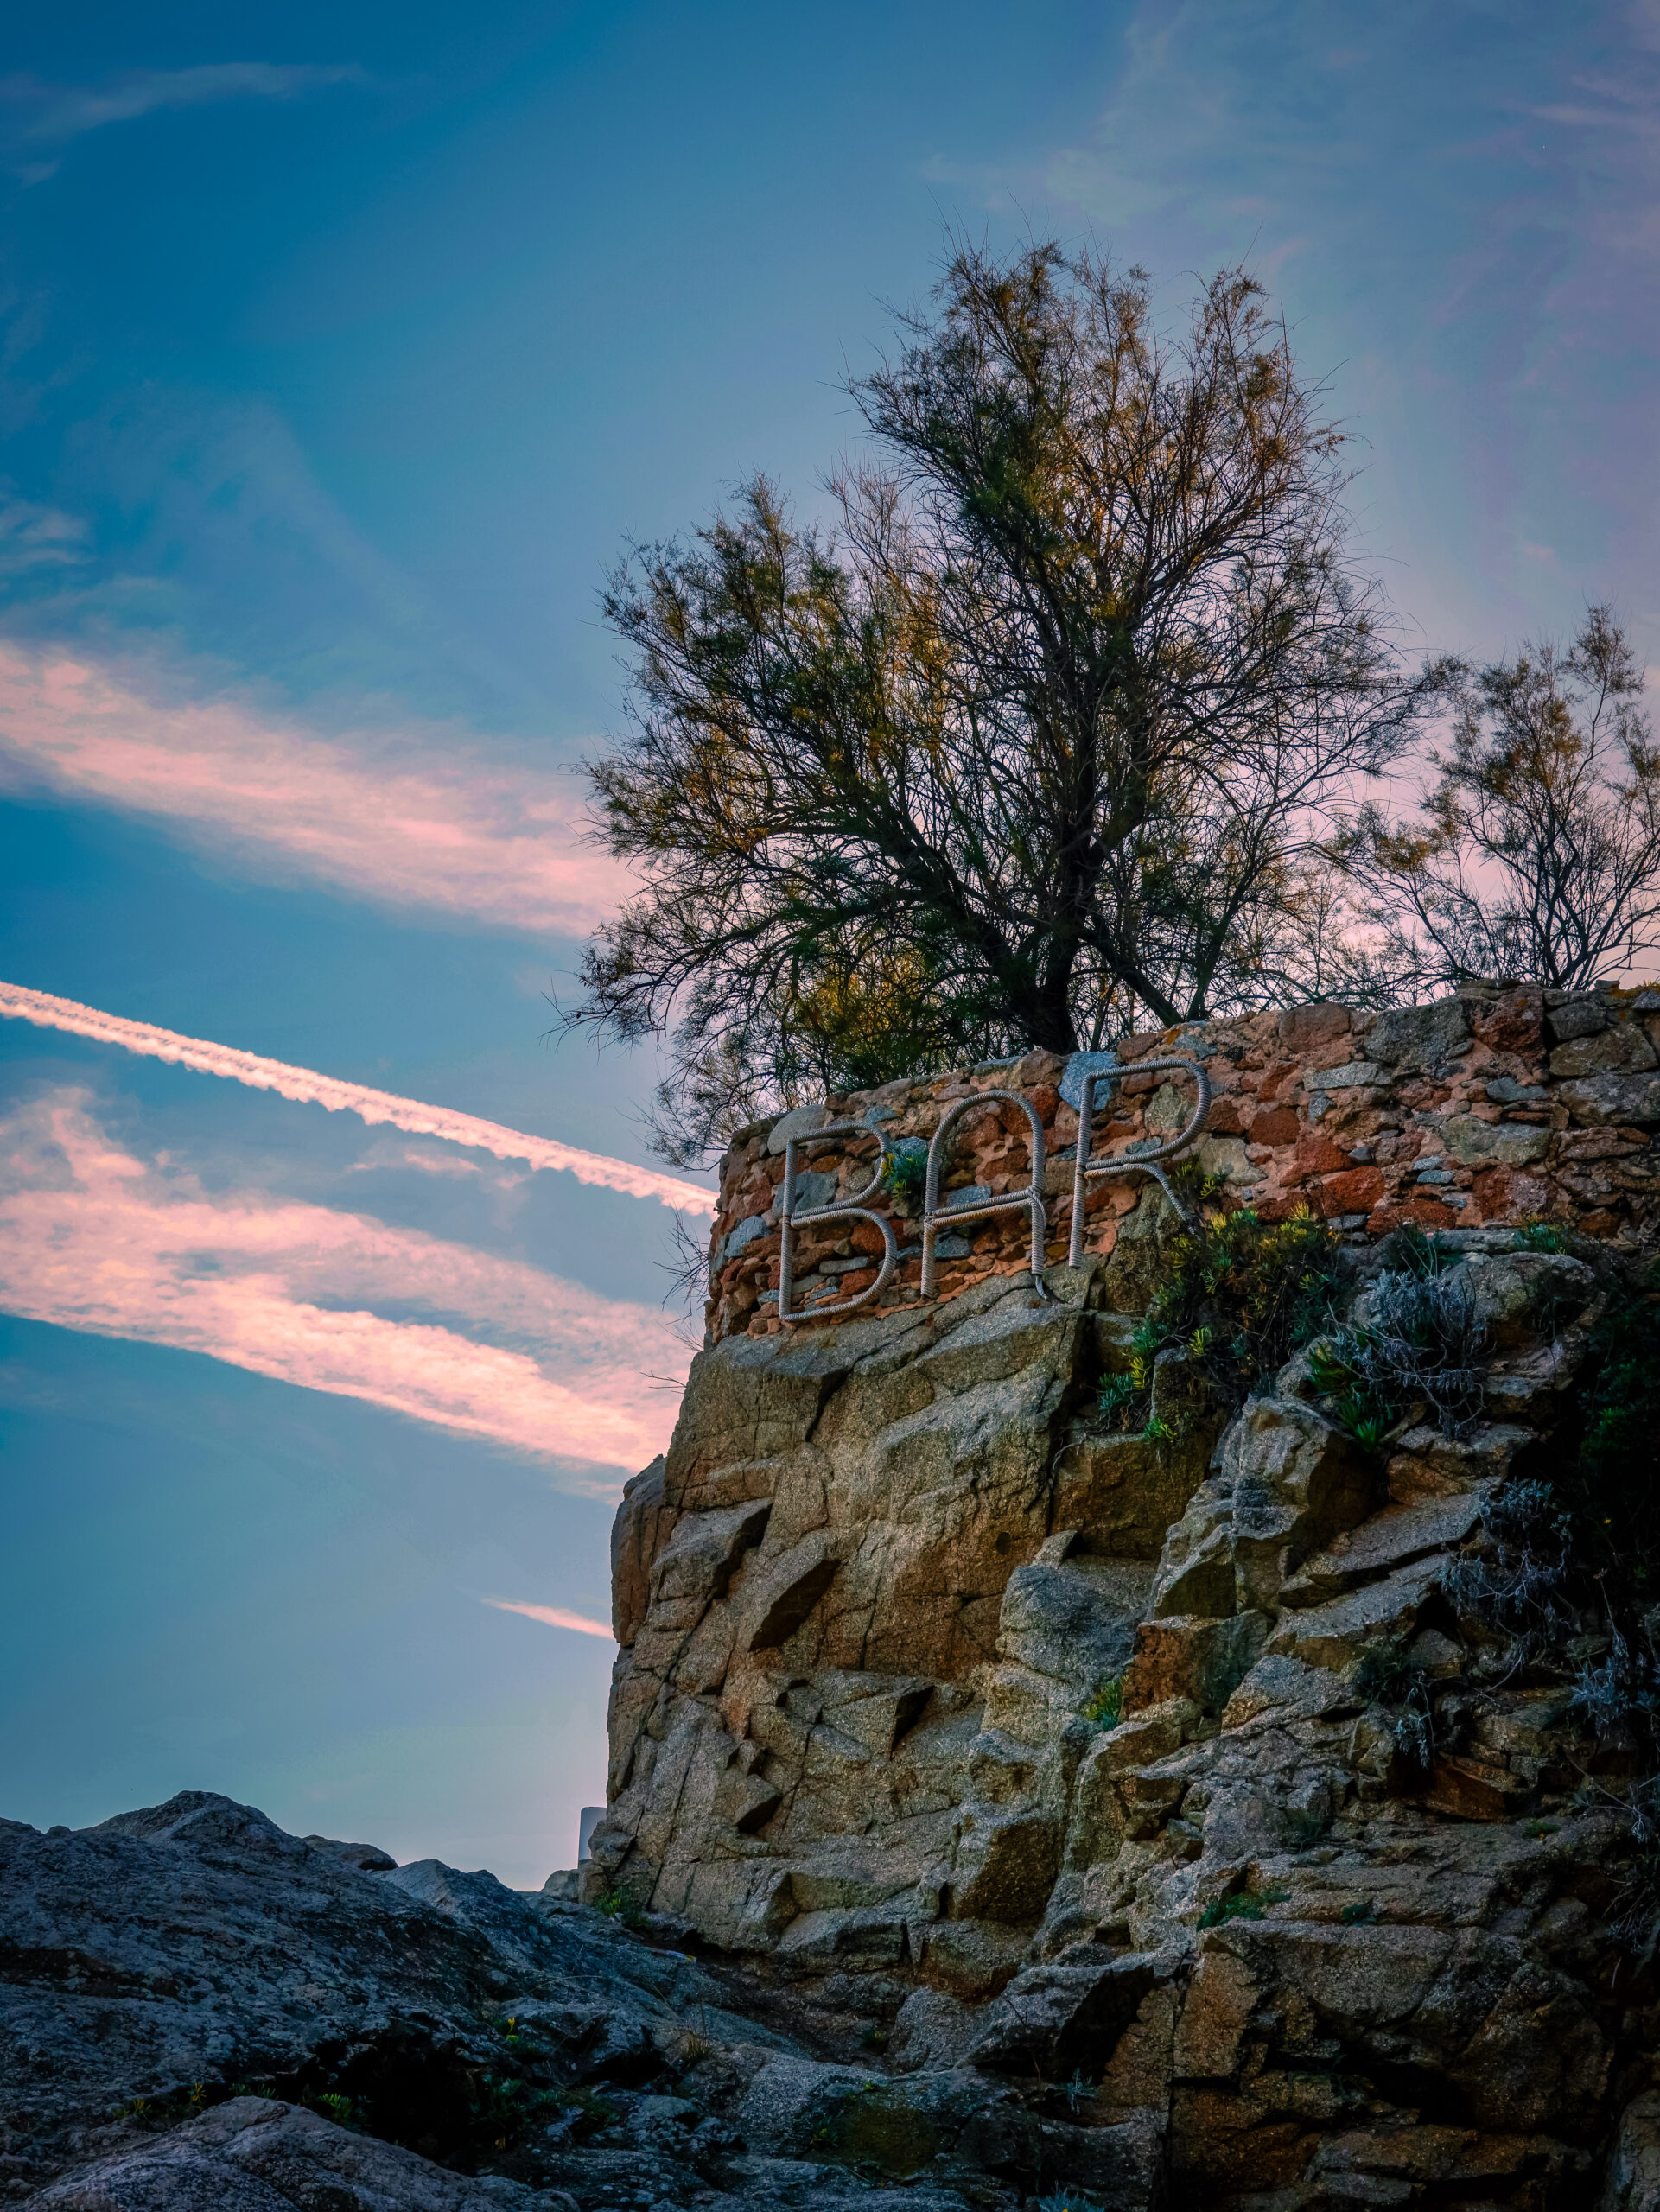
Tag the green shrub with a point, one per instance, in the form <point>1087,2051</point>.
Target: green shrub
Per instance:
<point>1419,1350</point>
<point>1408,1251</point>
<point>1106,1708</point>
<point>1241,1294</point>
<point>1387,1674</point>
<point>1120,1404</point>
<point>905,1175</point>
<point>1240,1904</point>
<point>615,1906</point>
<point>1237,1294</point>
<point>1540,1237</point>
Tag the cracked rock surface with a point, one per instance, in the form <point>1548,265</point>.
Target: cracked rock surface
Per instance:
<point>1247,1949</point>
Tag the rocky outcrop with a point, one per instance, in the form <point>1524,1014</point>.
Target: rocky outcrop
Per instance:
<point>201,2013</point>
<point>1050,1750</point>
<point>998,1804</point>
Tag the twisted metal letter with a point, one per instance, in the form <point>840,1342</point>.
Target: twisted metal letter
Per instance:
<point>1143,1163</point>
<point>848,1210</point>
<point>1030,1199</point>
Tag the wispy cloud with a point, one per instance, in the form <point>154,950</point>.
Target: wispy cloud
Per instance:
<point>34,538</point>
<point>421,821</point>
<point>306,1087</point>
<point>555,1616</point>
<point>94,1238</point>
<point>39,117</point>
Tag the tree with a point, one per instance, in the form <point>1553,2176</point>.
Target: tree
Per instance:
<point>1534,855</point>
<point>1037,741</point>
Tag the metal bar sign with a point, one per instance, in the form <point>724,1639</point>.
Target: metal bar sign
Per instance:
<point>851,1208</point>
<point>1143,1163</point>
<point>1030,1199</point>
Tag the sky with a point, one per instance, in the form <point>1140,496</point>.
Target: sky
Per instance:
<point>341,352</point>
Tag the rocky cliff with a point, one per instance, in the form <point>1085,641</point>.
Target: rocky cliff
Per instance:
<point>1208,1781</point>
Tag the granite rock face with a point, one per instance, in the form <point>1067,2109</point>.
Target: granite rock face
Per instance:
<point>1225,1919</point>
<point>201,2013</point>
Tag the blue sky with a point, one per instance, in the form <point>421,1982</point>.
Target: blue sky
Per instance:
<point>340,351</point>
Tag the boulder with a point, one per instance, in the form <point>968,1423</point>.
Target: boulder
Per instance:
<point>254,2154</point>
<point>1632,2183</point>
<point>1297,1480</point>
<point>1057,2021</point>
<point>1332,1635</point>
<point>171,1956</point>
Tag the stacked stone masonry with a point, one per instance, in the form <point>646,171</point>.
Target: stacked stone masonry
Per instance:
<point>1501,1106</point>
<point>869,1601</point>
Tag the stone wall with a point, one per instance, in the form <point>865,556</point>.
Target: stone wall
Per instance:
<point>1495,1107</point>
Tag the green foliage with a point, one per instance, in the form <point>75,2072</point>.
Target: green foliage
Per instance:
<point>1540,1237</point>
<point>1355,1405</point>
<point>1240,1904</point>
<point>1240,1295</point>
<point>905,1175</point>
<point>1417,1353</point>
<point>615,1906</point>
<point>1237,1296</point>
<point>1387,1674</point>
<point>1408,1251</point>
<point>1078,2091</point>
<point>1106,1708</point>
<point>1535,854</point>
<point>986,766</point>
<point>597,2112</point>
<point>333,2106</point>
<point>1120,1404</point>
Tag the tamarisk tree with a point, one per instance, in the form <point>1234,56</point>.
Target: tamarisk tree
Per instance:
<point>1034,743</point>
<point>1535,853</point>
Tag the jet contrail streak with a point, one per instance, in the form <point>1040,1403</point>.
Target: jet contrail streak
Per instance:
<point>306,1087</point>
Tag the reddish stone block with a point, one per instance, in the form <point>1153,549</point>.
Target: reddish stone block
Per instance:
<point>1317,1155</point>
<point>1277,1125</point>
<point>1513,1023</point>
<point>1302,1027</point>
<point>1429,1213</point>
<point>1357,1190</point>
<point>1491,1190</point>
<point>1279,1205</point>
<point>1225,1119</point>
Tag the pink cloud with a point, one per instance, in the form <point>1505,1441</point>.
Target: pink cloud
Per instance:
<point>93,1238</point>
<point>555,1616</point>
<point>306,1087</point>
<point>423,820</point>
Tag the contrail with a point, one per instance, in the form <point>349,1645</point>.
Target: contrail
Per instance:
<point>306,1087</point>
<point>555,1616</point>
